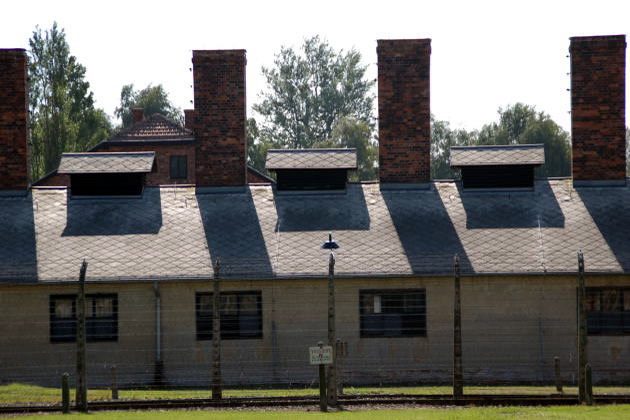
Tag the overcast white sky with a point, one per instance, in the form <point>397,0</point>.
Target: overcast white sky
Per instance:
<point>486,54</point>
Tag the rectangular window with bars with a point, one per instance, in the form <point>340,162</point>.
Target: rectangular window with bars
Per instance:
<point>393,313</point>
<point>101,318</point>
<point>608,310</point>
<point>240,313</point>
<point>179,167</point>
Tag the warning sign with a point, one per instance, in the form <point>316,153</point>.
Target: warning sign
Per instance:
<point>321,355</point>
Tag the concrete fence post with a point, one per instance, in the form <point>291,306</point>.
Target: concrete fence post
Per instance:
<point>458,376</point>
<point>65,394</point>
<point>556,374</point>
<point>582,331</point>
<point>216,333</point>
<point>114,383</point>
<point>588,385</point>
<point>81,391</point>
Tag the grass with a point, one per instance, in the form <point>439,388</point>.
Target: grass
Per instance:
<point>21,393</point>
<point>603,412</point>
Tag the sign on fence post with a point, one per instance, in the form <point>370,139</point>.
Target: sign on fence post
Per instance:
<point>322,356</point>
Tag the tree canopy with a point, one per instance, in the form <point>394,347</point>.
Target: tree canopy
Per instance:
<point>517,124</point>
<point>62,112</point>
<point>309,91</point>
<point>153,99</point>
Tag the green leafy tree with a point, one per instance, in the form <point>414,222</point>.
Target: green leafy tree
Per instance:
<point>309,90</point>
<point>353,133</point>
<point>257,146</point>
<point>522,124</point>
<point>517,124</point>
<point>153,99</point>
<point>62,112</point>
<point>443,137</point>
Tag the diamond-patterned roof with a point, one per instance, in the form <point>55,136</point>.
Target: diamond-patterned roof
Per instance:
<point>518,154</point>
<point>174,233</point>
<point>106,163</point>
<point>153,128</point>
<point>311,159</point>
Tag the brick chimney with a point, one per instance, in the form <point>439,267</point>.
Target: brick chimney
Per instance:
<point>220,114</point>
<point>404,112</point>
<point>14,159</point>
<point>598,68</point>
<point>189,119</point>
<point>138,115</point>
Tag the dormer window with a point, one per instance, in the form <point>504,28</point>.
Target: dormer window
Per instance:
<point>498,167</point>
<point>311,169</point>
<point>106,174</point>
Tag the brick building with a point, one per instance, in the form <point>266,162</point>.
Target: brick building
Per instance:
<point>154,254</point>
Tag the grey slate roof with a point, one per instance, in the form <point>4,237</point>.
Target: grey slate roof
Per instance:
<point>521,154</point>
<point>311,159</point>
<point>103,163</point>
<point>173,233</point>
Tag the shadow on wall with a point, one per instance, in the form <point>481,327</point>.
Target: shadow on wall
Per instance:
<point>508,210</point>
<point>322,212</point>
<point>233,233</point>
<point>609,207</point>
<point>115,216</point>
<point>426,231</point>
<point>18,249</point>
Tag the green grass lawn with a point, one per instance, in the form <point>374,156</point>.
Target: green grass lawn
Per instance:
<point>605,412</point>
<point>21,394</point>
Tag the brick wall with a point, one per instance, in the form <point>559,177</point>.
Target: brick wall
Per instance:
<point>189,119</point>
<point>219,92</point>
<point>404,114</point>
<point>14,159</point>
<point>163,155</point>
<point>598,108</point>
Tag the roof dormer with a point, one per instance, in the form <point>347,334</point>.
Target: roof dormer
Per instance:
<point>106,174</point>
<point>497,166</point>
<point>311,169</point>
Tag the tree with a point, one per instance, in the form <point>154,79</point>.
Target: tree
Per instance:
<point>349,132</point>
<point>308,91</point>
<point>62,112</point>
<point>522,124</point>
<point>443,137</point>
<point>517,124</point>
<point>153,99</point>
<point>257,147</point>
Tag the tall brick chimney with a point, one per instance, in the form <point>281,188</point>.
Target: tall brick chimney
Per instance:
<point>137,114</point>
<point>220,115</point>
<point>404,111</point>
<point>189,119</point>
<point>14,159</point>
<point>598,68</point>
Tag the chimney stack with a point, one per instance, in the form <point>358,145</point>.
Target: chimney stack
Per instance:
<point>14,159</point>
<point>404,112</point>
<point>220,115</point>
<point>598,127</point>
<point>189,119</point>
<point>138,115</point>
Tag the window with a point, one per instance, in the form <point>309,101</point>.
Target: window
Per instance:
<point>608,310</point>
<point>393,313</point>
<point>101,318</point>
<point>179,167</point>
<point>240,312</point>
